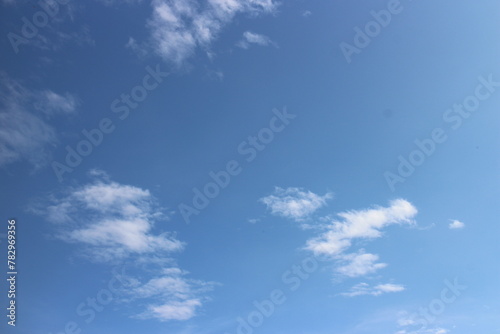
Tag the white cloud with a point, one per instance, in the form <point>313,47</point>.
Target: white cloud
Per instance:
<point>24,133</point>
<point>336,236</point>
<point>24,136</point>
<point>360,264</point>
<point>179,27</point>
<point>51,103</point>
<point>294,203</point>
<point>405,319</point>
<point>115,224</point>
<point>306,13</point>
<point>175,310</point>
<point>112,220</point>
<point>412,323</point>
<point>170,296</point>
<point>120,2</point>
<point>456,225</point>
<point>436,330</point>
<point>360,224</point>
<point>253,38</point>
<point>365,289</point>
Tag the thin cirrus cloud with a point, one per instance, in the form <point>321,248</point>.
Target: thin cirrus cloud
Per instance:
<point>26,133</point>
<point>360,264</point>
<point>178,27</point>
<point>435,330</point>
<point>250,38</point>
<point>411,325</point>
<point>51,103</point>
<point>294,203</point>
<point>114,224</point>
<point>170,295</point>
<point>362,289</point>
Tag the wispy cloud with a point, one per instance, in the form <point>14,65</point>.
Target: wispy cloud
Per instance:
<point>456,225</point>
<point>360,224</point>
<point>365,289</point>
<point>250,38</point>
<point>51,103</point>
<point>25,133</point>
<point>436,330</point>
<point>294,203</point>
<point>360,264</point>
<point>336,236</point>
<point>112,220</point>
<point>58,30</point>
<point>115,223</point>
<point>306,13</point>
<point>170,295</point>
<point>179,27</point>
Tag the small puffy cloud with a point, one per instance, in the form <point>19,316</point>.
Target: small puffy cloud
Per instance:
<point>250,38</point>
<point>362,289</point>
<point>60,30</point>
<point>456,225</point>
<point>360,264</point>
<point>366,224</point>
<point>294,203</point>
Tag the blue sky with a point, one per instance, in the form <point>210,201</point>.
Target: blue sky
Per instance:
<point>251,166</point>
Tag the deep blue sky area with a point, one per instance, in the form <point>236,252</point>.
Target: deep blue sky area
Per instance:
<point>250,166</point>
